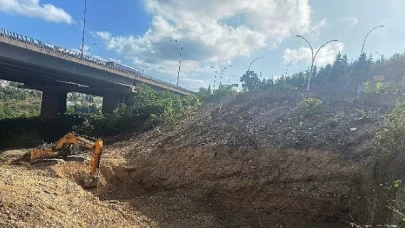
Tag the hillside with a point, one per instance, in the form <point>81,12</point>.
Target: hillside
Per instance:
<point>297,171</point>
<point>254,160</point>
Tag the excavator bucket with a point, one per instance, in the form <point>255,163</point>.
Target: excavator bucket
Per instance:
<point>87,181</point>
<point>90,182</point>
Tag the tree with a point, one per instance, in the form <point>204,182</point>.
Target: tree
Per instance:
<point>338,67</point>
<point>250,81</point>
<point>361,63</point>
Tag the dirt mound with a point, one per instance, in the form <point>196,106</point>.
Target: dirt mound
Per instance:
<point>263,159</point>
<point>43,196</point>
<point>290,188</point>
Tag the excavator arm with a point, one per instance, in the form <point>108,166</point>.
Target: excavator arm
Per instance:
<point>97,148</point>
<point>90,179</point>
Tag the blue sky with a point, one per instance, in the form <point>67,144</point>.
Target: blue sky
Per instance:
<point>213,33</point>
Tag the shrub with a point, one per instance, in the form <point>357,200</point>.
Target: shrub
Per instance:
<point>373,89</point>
<point>311,106</point>
<point>332,122</point>
<point>360,113</point>
<point>389,141</point>
<point>144,110</point>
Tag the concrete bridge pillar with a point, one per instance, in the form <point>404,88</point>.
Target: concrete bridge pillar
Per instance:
<point>53,104</point>
<point>111,102</point>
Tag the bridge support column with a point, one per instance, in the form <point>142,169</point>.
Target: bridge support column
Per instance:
<point>53,104</point>
<point>111,102</point>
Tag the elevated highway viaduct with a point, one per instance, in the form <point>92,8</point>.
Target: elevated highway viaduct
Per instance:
<point>56,72</point>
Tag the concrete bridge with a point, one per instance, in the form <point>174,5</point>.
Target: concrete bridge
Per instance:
<point>56,71</point>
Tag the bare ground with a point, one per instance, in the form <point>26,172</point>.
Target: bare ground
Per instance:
<point>208,173</point>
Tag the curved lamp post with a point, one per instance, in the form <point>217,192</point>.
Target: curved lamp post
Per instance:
<point>91,46</point>
<point>314,56</point>
<point>254,60</point>
<point>222,73</point>
<point>178,72</point>
<point>231,77</point>
<point>143,70</point>
<point>215,77</point>
<point>381,56</point>
<point>365,38</point>
<point>288,65</point>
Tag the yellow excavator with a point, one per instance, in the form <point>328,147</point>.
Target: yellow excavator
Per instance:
<point>69,145</point>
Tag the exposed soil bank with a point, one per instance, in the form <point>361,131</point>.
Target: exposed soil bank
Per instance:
<point>263,188</point>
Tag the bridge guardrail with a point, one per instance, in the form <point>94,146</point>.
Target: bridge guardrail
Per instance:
<point>75,54</point>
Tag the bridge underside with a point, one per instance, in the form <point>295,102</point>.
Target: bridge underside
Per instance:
<point>55,86</point>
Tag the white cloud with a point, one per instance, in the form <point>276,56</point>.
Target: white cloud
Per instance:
<point>316,29</point>
<point>352,21</point>
<point>210,31</point>
<point>102,35</point>
<point>33,8</point>
<point>326,55</point>
<point>192,84</point>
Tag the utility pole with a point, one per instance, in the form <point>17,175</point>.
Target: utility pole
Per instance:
<point>84,27</point>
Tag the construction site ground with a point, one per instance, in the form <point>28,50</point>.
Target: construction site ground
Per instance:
<point>211,172</point>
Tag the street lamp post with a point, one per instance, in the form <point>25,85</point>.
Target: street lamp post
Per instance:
<point>254,60</point>
<point>230,78</point>
<point>288,65</point>
<point>143,69</point>
<point>84,27</point>
<point>178,72</point>
<point>365,38</point>
<point>91,46</point>
<point>381,56</point>
<point>215,77</point>
<point>222,73</point>
<point>314,56</point>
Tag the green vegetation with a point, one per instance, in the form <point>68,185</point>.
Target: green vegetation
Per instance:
<point>388,147</point>
<point>373,88</point>
<point>360,113</point>
<point>389,141</point>
<point>250,81</point>
<point>19,103</point>
<point>310,106</point>
<point>208,95</point>
<point>30,131</point>
<point>145,109</point>
<point>332,122</point>
<point>338,70</point>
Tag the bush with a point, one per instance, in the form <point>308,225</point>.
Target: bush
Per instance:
<point>389,169</point>
<point>31,131</point>
<point>208,95</point>
<point>145,109</point>
<point>373,89</point>
<point>332,122</point>
<point>389,141</point>
<point>360,113</point>
<point>311,106</point>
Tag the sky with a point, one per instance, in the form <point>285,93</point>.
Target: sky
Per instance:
<point>148,34</point>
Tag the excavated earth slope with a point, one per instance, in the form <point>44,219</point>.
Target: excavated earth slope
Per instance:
<point>251,161</point>
<point>263,161</point>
